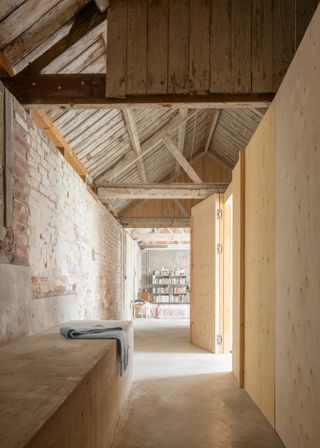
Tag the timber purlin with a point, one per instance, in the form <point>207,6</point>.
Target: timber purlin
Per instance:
<point>88,90</point>
<point>159,222</point>
<point>52,85</point>
<point>161,191</point>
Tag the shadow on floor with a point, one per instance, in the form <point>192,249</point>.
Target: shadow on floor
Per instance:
<point>185,397</point>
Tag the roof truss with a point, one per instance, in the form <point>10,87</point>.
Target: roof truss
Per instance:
<point>160,191</point>
<point>131,157</point>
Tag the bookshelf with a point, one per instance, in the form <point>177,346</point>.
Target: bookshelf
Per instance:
<point>169,288</point>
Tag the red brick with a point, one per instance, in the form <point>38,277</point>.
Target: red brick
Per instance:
<point>18,172</point>
<point>21,162</point>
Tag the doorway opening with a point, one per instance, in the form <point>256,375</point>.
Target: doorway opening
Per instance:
<point>157,273</point>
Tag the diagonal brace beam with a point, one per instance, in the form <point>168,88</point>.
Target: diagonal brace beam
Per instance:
<point>181,159</point>
<point>131,125</point>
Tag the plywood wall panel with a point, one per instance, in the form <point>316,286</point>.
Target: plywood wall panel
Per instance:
<point>154,208</point>
<point>227,292</point>
<point>260,266</point>
<point>236,194</point>
<point>203,275</point>
<point>298,247</point>
<point>157,46</point>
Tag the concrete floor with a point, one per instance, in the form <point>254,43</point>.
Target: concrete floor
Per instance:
<point>185,397</point>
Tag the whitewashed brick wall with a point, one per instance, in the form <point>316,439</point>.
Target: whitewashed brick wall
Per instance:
<point>71,243</point>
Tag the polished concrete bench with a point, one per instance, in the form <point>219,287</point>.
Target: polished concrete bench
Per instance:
<point>61,393</point>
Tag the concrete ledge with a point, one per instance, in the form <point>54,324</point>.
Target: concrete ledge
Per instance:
<point>61,393</point>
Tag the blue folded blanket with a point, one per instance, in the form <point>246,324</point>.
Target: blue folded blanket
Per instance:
<point>101,332</point>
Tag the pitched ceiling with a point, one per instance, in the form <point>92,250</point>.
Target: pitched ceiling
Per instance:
<point>99,137</point>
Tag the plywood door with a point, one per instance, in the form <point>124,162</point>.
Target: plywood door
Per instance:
<point>260,202</point>
<point>237,188</point>
<point>227,273</point>
<point>205,275</point>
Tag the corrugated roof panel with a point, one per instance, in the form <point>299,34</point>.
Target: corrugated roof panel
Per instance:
<point>159,164</point>
<point>196,133</point>
<point>234,130</point>
<point>150,121</point>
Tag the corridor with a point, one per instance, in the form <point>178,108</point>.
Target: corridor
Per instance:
<point>185,397</point>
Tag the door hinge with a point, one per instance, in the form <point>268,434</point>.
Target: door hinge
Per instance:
<point>219,339</point>
<point>219,213</point>
<point>219,248</point>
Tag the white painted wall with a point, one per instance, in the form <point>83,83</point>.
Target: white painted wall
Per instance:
<point>155,259</point>
<point>132,274</point>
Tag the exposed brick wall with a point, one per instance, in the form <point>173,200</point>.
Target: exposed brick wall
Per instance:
<point>21,188</point>
<point>72,244</point>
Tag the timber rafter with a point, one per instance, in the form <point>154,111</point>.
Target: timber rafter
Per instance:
<point>87,19</point>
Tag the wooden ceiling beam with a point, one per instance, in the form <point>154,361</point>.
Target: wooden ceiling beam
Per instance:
<point>6,70</point>
<point>153,246</point>
<point>157,237</point>
<point>159,222</point>
<point>86,20</point>
<point>88,91</point>
<point>160,191</point>
<point>167,180</point>
<point>131,126</point>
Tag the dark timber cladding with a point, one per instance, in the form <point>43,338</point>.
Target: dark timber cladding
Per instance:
<point>197,46</point>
